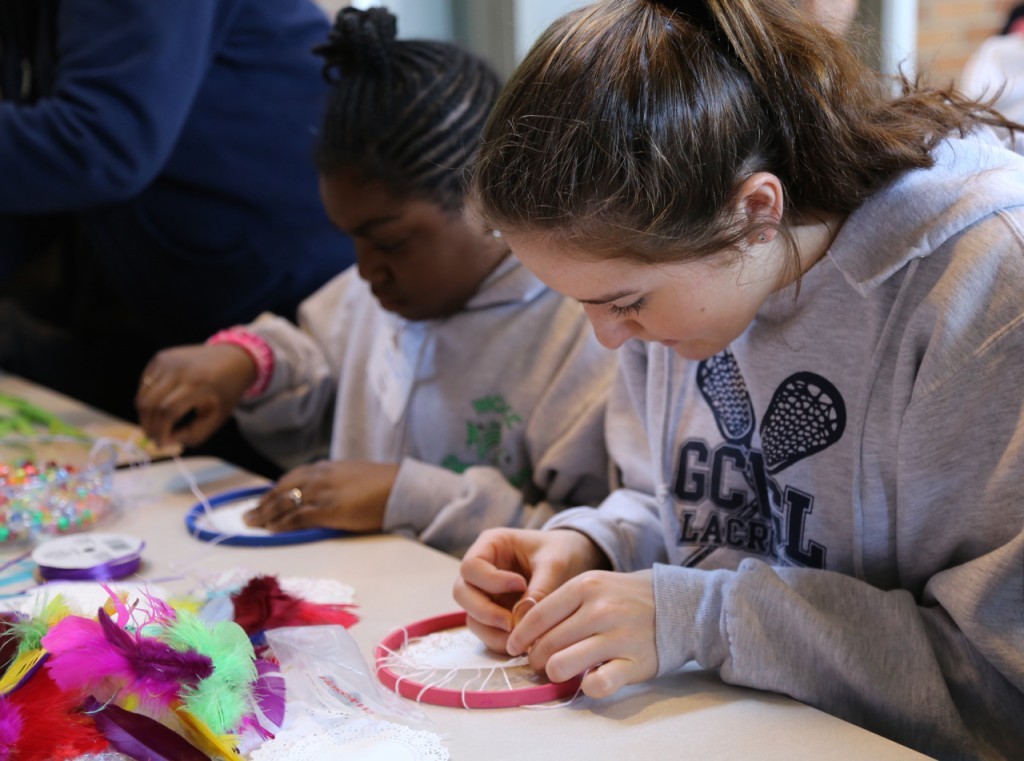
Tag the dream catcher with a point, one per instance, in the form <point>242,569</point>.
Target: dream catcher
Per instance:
<point>221,520</point>
<point>440,661</point>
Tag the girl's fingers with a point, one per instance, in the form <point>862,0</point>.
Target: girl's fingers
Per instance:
<point>521,608</point>
<point>170,405</point>
<point>485,576</point>
<point>610,677</point>
<point>482,607</point>
<point>293,520</point>
<point>493,639</point>
<point>542,618</point>
<point>274,505</point>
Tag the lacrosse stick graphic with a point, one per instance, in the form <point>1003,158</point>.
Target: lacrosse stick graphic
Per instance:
<point>721,383</point>
<point>806,415</point>
<point>723,388</point>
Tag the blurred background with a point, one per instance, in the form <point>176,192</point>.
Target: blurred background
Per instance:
<point>931,37</point>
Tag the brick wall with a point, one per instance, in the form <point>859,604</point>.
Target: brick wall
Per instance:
<point>949,30</point>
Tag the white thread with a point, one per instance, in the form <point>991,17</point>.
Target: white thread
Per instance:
<point>179,568</point>
<point>425,662</point>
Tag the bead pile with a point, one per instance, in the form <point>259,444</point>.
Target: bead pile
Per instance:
<point>48,499</point>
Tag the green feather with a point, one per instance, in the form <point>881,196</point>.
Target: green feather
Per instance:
<point>225,697</point>
<point>30,631</point>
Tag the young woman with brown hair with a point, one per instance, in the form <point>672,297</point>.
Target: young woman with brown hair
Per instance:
<point>815,285</point>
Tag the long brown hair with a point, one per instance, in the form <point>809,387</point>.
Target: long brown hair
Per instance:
<point>630,125</point>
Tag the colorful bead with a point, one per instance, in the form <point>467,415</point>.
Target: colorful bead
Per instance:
<point>49,498</point>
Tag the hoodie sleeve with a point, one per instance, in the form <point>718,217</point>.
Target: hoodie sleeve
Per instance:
<point>128,71</point>
<point>291,421</point>
<point>565,441</point>
<point>943,676</point>
<point>938,665</point>
<point>626,526</point>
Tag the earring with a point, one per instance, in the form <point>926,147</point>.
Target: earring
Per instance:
<point>496,233</point>
<point>762,237</point>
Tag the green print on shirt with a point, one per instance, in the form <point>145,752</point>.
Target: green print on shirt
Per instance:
<point>485,436</point>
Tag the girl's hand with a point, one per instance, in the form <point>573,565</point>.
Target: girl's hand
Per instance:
<point>188,392</point>
<point>599,621</point>
<point>507,570</point>
<point>347,495</point>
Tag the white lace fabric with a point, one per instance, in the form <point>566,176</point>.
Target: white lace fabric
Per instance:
<point>322,735</point>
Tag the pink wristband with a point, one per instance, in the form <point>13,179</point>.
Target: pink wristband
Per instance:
<point>256,348</point>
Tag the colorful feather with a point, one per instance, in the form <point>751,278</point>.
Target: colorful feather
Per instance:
<point>203,737</point>
<point>221,700</point>
<point>57,731</point>
<point>261,604</point>
<point>29,631</point>
<point>269,692</point>
<point>11,723</point>
<point>138,736</point>
<point>117,603</point>
<point>22,669</point>
<point>87,653</point>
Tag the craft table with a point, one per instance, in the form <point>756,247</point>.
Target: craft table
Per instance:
<point>690,714</point>
<point>687,715</point>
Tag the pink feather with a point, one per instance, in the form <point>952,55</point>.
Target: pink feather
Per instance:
<point>80,656</point>
<point>11,723</point>
<point>86,653</point>
<point>124,613</point>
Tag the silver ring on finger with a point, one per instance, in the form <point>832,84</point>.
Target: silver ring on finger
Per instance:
<point>295,495</point>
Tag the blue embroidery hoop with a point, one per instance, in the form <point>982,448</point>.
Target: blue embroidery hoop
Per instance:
<point>299,536</point>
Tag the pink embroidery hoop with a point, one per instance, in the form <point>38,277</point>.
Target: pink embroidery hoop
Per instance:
<point>446,696</point>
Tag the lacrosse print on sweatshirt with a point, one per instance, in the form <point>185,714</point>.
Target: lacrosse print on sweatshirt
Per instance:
<point>727,492</point>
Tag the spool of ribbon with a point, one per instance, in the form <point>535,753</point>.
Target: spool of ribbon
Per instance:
<point>88,557</point>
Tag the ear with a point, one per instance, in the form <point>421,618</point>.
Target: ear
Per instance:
<point>759,205</point>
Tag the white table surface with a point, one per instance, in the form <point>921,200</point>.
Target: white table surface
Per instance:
<point>688,715</point>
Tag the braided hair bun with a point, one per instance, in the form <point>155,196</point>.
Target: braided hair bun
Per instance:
<point>360,42</point>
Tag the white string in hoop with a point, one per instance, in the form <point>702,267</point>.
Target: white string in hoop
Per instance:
<point>180,568</point>
<point>439,661</point>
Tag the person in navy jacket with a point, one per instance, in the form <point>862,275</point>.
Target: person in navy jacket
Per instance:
<point>172,143</point>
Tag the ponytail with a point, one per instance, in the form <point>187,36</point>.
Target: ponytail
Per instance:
<point>843,134</point>
<point>631,124</point>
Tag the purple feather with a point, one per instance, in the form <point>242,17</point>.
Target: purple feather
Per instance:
<point>160,671</point>
<point>87,653</point>
<point>11,724</point>
<point>138,736</point>
<point>269,692</point>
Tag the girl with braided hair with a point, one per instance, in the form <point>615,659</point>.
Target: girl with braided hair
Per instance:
<point>814,285</point>
<point>465,393</point>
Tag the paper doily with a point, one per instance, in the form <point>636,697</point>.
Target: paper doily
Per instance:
<point>352,738</point>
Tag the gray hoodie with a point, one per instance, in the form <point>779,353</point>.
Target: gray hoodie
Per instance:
<point>833,506</point>
<point>494,413</point>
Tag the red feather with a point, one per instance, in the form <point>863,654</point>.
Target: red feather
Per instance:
<point>54,730</point>
<point>262,604</point>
